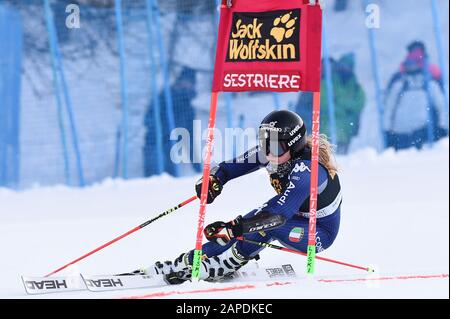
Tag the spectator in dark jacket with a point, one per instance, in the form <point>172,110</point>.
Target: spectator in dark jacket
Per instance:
<point>182,92</point>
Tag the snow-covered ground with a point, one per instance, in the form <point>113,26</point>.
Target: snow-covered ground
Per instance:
<point>395,217</point>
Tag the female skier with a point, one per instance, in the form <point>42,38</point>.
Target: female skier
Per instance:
<point>285,151</point>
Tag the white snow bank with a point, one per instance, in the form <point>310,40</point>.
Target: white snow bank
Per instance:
<point>395,216</point>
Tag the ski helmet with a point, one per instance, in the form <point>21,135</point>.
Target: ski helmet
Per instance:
<point>282,131</point>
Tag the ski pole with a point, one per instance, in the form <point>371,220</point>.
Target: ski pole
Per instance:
<point>303,254</point>
<point>167,212</point>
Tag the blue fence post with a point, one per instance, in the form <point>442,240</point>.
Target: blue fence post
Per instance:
<point>376,76</point>
<point>155,95</point>
<point>11,35</point>
<point>52,43</point>
<point>53,37</point>
<point>117,154</point>
<point>276,100</point>
<point>123,87</point>
<point>3,145</point>
<point>166,77</point>
<point>16,37</point>
<point>430,122</point>
<point>3,94</point>
<point>440,48</point>
<point>329,81</point>
<point>217,12</point>
<point>69,108</point>
<point>241,121</point>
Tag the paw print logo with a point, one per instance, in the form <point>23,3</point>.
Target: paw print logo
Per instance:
<point>283,27</point>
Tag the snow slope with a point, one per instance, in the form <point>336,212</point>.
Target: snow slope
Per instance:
<point>394,217</point>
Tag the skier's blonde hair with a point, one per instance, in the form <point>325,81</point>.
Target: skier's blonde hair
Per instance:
<point>326,153</point>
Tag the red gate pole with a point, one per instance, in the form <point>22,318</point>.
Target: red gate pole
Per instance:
<point>311,252</point>
<point>205,183</point>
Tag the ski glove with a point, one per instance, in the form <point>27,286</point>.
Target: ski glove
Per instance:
<point>214,188</point>
<point>222,233</point>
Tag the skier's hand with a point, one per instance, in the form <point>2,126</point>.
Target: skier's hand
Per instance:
<point>214,188</point>
<point>221,233</point>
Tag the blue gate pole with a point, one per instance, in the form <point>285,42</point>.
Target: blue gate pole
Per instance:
<point>329,81</point>
<point>3,94</point>
<point>3,143</point>
<point>3,146</point>
<point>117,154</point>
<point>69,108</point>
<point>155,95</point>
<point>67,98</point>
<point>440,48</point>
<point>376,77</point>
<point>430,122</point>
<point>276,100</point>
<point>16,37</point>
<point>123,87</point>
<point>3,115</point>
<point>166,76</point>
<point>217,12</point>
<point>50,31</point>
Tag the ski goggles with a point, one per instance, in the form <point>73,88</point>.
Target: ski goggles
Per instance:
<point>272,145</point>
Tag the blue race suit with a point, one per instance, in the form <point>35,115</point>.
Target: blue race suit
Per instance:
<point>291,181</point>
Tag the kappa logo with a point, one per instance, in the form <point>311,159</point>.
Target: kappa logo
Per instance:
<point>301,168</point>
<point>283,27</point>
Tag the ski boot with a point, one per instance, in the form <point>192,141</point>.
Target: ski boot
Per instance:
<point>222,267</point>
<point>214,269</point>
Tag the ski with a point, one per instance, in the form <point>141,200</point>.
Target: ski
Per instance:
<point>94,283</point>
<point>115,282</point>
<point>44,285</point>
<point>99,283</point>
